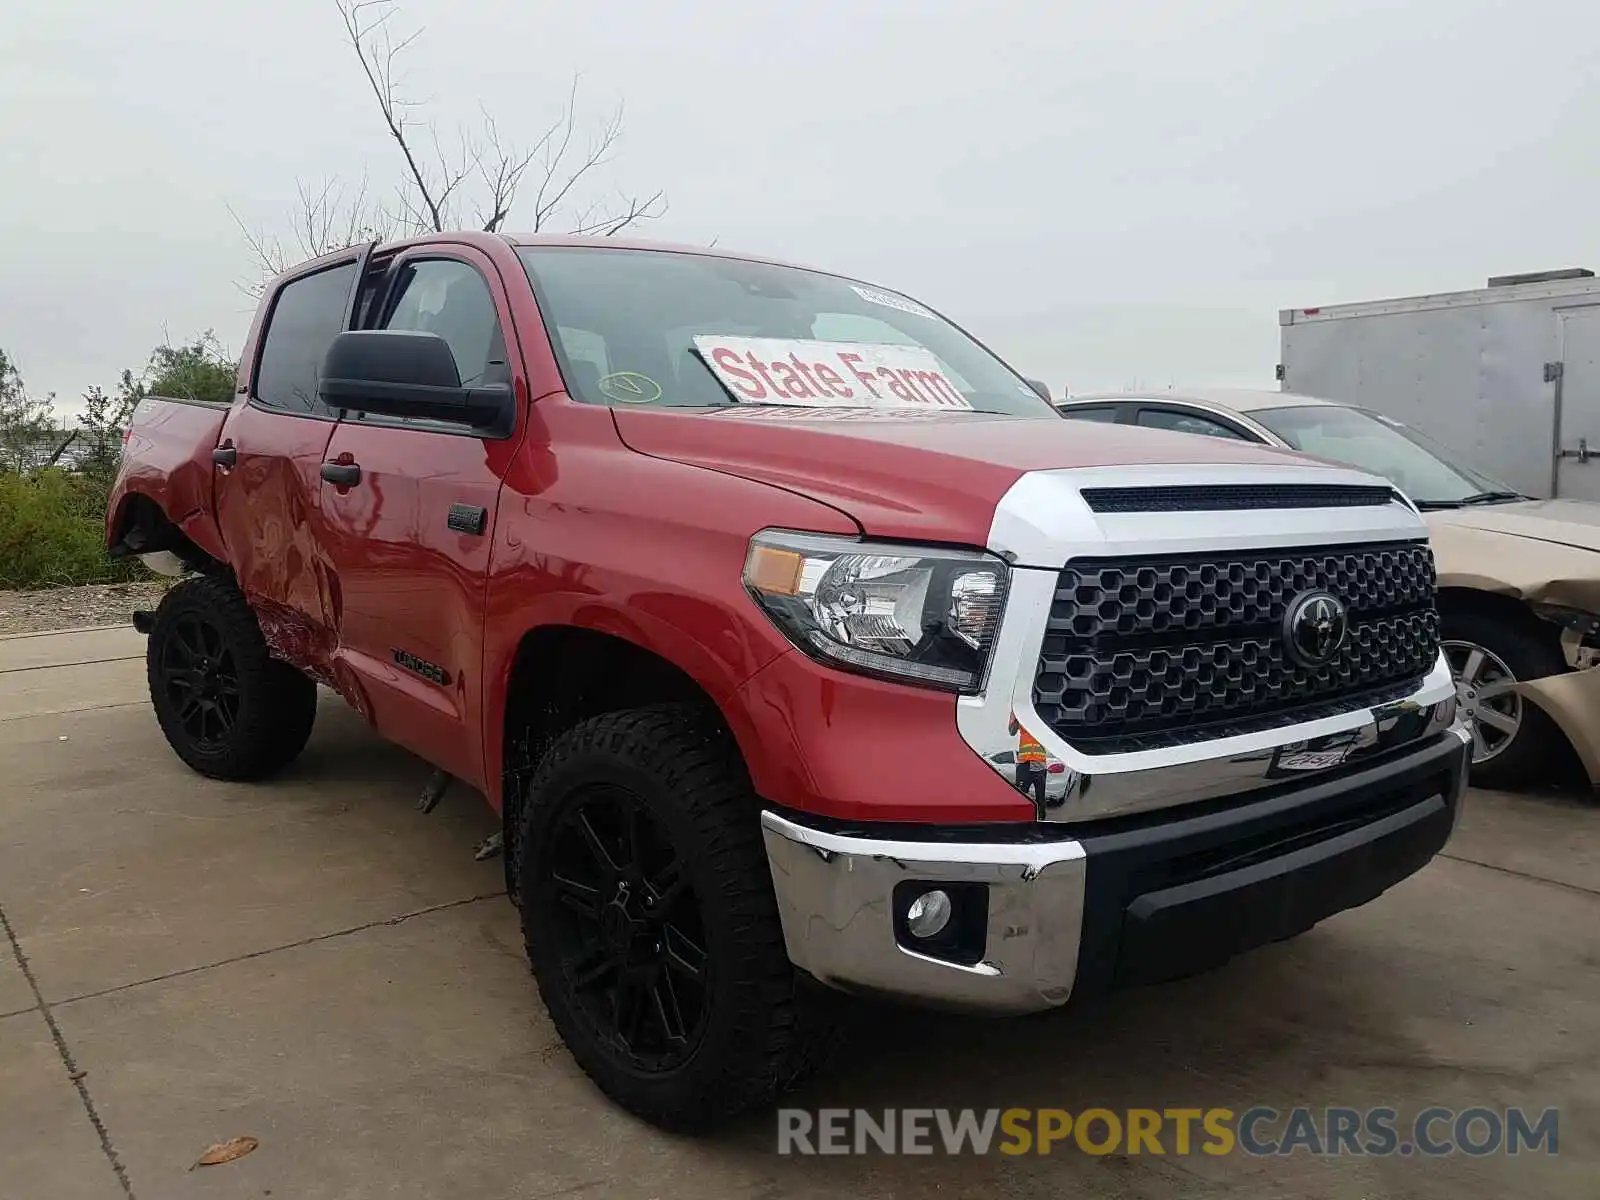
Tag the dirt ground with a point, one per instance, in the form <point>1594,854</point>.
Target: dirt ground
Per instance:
<point>315,965</point>
<point>76,607</point>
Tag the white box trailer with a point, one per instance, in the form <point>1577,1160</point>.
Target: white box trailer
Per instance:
<point>1507,376</point>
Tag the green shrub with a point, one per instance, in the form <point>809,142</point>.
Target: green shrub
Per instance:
<point>52,532</point>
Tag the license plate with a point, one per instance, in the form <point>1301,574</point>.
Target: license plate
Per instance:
<point>1316,755</point>
<point>1312,760</point>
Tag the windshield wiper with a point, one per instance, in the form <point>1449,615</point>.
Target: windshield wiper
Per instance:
<point>1475,498</point>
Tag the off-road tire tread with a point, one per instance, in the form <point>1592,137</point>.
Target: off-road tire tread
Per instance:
<point>785,1027</point>
<point>278,704</point>
<point>1531,653</point>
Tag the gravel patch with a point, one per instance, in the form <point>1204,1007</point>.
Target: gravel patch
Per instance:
<point>76,607</point>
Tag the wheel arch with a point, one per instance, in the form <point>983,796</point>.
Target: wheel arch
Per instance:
<point>561,674</point>
<point>1550,696</point>
<point>1499,605</point>
<point>140,525</point>
<point>1495,600</point>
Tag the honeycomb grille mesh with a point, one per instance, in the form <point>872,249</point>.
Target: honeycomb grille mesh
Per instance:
<point>1155,651</point>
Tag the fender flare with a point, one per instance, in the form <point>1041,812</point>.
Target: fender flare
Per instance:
<point>712,674</point>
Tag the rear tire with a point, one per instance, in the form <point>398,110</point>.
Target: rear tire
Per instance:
<point>227,707</point>
<point>1520,648</point>
<point>651,925</point>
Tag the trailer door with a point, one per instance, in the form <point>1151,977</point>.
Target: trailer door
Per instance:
<point>1577,473</point>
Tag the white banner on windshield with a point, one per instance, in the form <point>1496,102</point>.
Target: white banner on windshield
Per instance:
<point>811,374</point>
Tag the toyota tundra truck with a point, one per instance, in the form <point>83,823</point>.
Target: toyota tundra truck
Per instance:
<point>800,645</point>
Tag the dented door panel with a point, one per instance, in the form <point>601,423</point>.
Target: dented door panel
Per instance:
<point>268,511</point>
<point>408,586</point>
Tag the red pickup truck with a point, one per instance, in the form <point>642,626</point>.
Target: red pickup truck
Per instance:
<point>797,640</point>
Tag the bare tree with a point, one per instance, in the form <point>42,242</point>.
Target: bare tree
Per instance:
<point>473,178</point>
<point>28,425</point>
<point>329,216</point>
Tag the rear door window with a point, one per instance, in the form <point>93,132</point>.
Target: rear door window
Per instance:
<point>306,316</point>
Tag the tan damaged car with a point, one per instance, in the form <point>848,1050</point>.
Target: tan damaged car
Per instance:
<point>1519,578</point>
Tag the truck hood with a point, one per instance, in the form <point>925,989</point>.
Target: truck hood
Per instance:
<point>924,475</point>
<point>1562,522</point>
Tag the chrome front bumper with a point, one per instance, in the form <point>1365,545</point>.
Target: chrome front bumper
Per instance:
<point>1051,922</point>
<point>836,897</point>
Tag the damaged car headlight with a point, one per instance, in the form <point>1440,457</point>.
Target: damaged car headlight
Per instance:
<point>918,615</point>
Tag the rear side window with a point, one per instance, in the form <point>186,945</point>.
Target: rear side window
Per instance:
<point>306,317</point>
<point>1186,422</point>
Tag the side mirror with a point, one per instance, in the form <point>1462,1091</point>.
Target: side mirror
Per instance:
<point>1042,388</point>
<point>407,373</point>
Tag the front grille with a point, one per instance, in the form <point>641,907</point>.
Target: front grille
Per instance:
<point>1143,652</point>
<point>1234,497</point>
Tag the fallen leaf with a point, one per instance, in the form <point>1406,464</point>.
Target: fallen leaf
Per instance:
<point>226,1152</point>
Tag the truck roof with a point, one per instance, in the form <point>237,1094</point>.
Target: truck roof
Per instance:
<point>476,237</point>
<point>618,243</point>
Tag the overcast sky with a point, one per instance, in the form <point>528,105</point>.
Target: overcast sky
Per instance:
<point>1108,193</point>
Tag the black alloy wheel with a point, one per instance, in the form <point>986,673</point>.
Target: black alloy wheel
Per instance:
<point>201,680</point>
<point>651,923</point>
<point>629,929</point>
<point>226,706</point>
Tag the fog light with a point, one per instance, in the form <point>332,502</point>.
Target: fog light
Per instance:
<point>929,914</point>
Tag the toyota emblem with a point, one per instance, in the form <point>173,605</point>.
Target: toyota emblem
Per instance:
<point>1314,627</point>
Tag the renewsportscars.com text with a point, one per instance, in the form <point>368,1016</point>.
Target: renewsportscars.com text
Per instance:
<point>1372,1132</point>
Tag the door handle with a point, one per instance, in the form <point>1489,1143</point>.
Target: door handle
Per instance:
<point>1583,454</point>
<point>224,456</point>
<point>342,474</point>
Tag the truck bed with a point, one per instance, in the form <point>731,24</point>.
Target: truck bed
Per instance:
<point>167,458</point>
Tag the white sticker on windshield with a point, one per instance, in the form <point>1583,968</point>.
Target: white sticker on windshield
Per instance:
<point>810,374</point>
<point>784,412</point>
<point>889,300</point>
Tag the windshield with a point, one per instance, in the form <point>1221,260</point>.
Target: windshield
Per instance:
<point>651,327</point>
<point>1418,467</point>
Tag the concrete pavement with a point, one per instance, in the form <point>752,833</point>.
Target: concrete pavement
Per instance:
<point>313,963</point>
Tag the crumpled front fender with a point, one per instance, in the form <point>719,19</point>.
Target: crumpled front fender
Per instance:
<point>1572,701</point>
<point>1529,569</point>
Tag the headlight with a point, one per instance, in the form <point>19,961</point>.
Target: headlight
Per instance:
<point>903,612</point>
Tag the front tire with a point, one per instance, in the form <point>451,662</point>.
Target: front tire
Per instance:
<point>1514,742</point>
<point>227,707</point>
<point>651,925</point>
